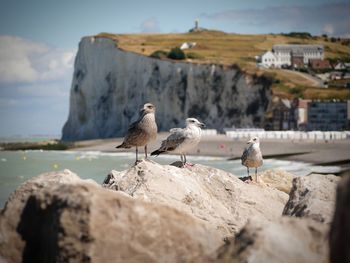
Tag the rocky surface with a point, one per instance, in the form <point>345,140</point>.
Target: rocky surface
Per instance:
<point>210,194</point>
<point>340,228</point>
<point>285,240</point>
<point>278,179</point>
<point>109,86</point>
<point>313,196</point>
<point>58,217</point>
<point>163,213</point>
<point>11,243</point>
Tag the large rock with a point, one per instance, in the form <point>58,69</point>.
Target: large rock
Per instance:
<point>340,228</point>
<point>11,243</point>
<point>286,240</point>
<point>109,86</point>
<point>312,196</point>
<point>275,178</point>
<point>209,194</point>
<point>60,218</point>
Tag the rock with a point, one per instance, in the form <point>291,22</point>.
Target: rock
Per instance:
<point>210,194</point>
<point>11,214</point>
<point>340,227</point>
<point>109,86</point>
<point>60,218</point>
<point>278,179</point>
<point>286,240</point>
<point>312,196</point>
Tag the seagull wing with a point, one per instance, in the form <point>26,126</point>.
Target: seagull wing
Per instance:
<point>174,130</point>
<point>134,124</point>
<point>134,133</point>
<point>245,155</point>
<point>177,137</point>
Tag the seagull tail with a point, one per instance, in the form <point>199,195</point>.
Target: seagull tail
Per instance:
<point>157,152</point>
<point>123,145</point>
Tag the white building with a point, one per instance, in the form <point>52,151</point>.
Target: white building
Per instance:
<point>188,45</point>
<point>340,66</point>
<point>268,60</point>
<point>285,54</point>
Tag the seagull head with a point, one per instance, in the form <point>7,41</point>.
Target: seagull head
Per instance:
<point>195,122</point>
<point>254,140</point>
<point>148,108</point>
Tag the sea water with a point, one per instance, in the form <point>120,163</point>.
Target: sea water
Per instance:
<point>18,166</point>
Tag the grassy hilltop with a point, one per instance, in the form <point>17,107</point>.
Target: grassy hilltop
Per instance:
<point>227,49</point>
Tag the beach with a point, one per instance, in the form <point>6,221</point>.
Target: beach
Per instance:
<point>336,152</point>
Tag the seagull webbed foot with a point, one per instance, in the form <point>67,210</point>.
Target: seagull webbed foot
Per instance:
<point>249,180</point>
<point>187,165</point>
<point>137,162</point>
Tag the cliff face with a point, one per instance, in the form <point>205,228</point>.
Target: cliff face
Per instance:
<point>110,85</point>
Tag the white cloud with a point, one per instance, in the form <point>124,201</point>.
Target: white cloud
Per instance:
<point>34,86</point>
<point>328,29</point>
<point>25,61</point>
<point>150,25</point>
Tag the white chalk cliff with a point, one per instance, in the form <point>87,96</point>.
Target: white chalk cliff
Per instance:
<point>110,85</point>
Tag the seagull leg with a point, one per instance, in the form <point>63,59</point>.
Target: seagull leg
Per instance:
<point>182,160</point>
<point>137,159</point>
<point>256,174</point>
<point>250,178</point>
<point>146,151</point>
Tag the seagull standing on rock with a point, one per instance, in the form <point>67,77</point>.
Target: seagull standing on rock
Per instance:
<point>141,132</point>
<point>181,141</point>
<point>252,156</point>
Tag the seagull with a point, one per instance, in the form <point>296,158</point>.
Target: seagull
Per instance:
<point>252,156</point>
<point>182,140</point>
<point>142,131</point>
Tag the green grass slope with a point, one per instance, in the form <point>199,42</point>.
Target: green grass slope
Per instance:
<point>227,49</point>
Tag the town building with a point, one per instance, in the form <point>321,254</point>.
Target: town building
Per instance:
<point>187,45</point>
<point>290,55</point>
<point>307,115</point>
<point>319,64</point>
<point>268,59</point>
<point>302,107</point>
<point>327,116</point>
<point>281,115</point>
<point>340,66</point>
<point>297,61</point>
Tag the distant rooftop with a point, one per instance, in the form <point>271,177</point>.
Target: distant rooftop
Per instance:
<point>297,48</point>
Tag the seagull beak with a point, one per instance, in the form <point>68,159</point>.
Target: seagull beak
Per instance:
<point>250,141</point>
<point>202,125</point>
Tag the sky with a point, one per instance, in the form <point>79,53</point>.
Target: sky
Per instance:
<point>39,40</point>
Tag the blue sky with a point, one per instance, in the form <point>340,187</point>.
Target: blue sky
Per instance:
<point>39,39</point>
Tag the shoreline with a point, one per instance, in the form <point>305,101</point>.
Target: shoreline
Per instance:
<point>319,153</point>
<point>322,153</point>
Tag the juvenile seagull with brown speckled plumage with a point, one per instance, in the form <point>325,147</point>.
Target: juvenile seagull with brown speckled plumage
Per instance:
<point>141,132</point>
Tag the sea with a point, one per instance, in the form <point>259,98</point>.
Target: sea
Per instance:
<point>18,166</point>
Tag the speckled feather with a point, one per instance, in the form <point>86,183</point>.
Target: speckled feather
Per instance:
<point>141,132</point>
<point>252,157</point>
